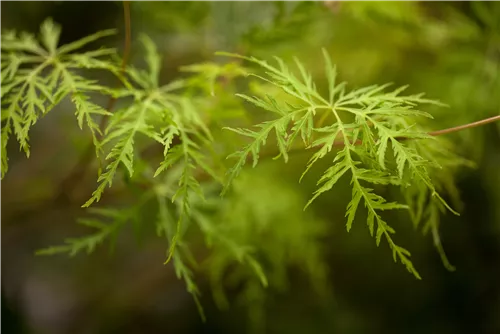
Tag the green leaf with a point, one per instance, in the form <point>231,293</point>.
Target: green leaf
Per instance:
<point>50,33</point>
<point>153,60</point>
<point>70,47</point>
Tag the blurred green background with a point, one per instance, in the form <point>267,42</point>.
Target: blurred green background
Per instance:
<point>449,50</point>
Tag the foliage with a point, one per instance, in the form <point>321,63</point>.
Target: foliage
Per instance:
<point>376,138</point>
<point>250,225</point>
<point>379,121</point>
<point>36,77</point>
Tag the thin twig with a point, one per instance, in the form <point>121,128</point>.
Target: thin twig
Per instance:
<point>436,133</point>
<point>81,167</point>
<point>466,126</point>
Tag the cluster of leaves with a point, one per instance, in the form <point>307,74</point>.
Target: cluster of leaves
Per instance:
<point>373,134</point>
<point>366,123</point>
<point>157,112</point>
<point>35,80</point>
<point>250,222</point>
<point>172,116</point>
<point>36,77</point>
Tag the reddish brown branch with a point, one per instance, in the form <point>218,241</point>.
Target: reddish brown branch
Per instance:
<point>340,143</point>
<point>465,126</point>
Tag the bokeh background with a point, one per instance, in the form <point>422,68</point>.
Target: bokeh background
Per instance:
<point>450,50</point>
